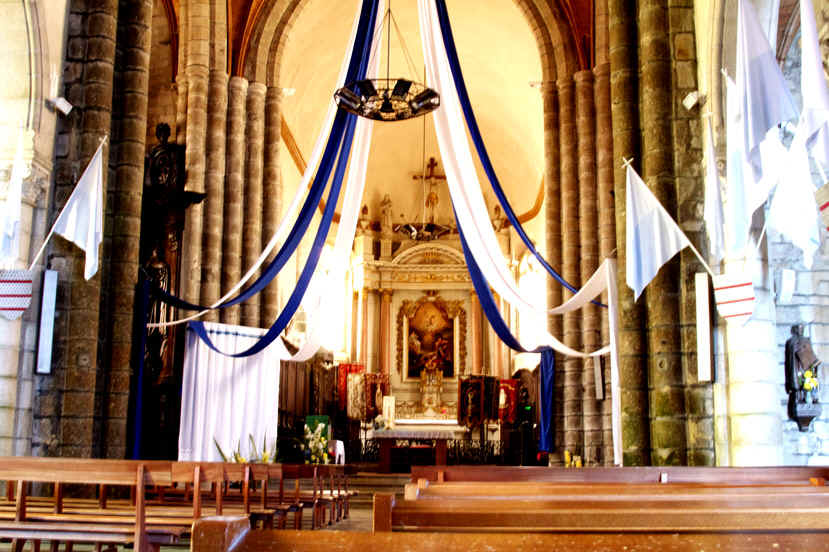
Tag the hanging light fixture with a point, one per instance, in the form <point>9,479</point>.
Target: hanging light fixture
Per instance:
<point>388,99</point>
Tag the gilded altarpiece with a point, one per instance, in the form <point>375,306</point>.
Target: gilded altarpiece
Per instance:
<point>428,329</point>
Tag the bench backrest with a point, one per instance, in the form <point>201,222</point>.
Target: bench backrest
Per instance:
<point>83,471</point>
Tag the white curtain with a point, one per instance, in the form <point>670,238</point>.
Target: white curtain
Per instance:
<point>227,398</point>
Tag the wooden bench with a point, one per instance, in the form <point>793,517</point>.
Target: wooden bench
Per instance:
<point>644,474</point>
<point>93,525</point>
<point>229,534</point>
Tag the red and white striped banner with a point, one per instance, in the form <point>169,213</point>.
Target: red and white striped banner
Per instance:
<point>15,293</point>
<point>734,295</point>
<point>822,198</point>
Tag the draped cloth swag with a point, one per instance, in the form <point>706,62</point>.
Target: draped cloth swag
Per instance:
<point>226,398</point>
<point>356,179</point>
<point>486,263</point>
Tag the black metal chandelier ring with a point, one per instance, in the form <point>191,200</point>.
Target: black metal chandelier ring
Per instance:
<point>387,99</point>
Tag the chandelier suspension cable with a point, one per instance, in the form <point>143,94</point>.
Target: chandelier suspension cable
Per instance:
<point>423,167</point>
<point>406,53</point>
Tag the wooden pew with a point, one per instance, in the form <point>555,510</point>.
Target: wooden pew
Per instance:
<point>683,513</point>
<point>641,474</point>
<point>426,490</point>
<point>100,528</point>
<point>224,535</point>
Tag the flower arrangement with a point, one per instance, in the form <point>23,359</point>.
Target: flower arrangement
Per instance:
<point>316,445</point>
<point>255,455</point>
<point>810,384</point>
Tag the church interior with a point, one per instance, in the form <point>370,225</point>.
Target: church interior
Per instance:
<point>450,251</point>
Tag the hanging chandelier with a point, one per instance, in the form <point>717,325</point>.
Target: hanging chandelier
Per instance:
<point>388,99</point>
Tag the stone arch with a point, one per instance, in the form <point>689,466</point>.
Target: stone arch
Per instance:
<point>260,58</point>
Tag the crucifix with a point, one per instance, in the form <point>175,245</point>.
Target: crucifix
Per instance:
<point>432,179</point>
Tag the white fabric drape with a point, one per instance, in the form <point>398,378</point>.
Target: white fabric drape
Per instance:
<point>470,207</point>
<point>226,398</point>
<point>465,189</point>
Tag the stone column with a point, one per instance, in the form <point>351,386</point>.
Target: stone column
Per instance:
<point>589,257</point>
<point>667,394</point>
<point>625,120</point>
<point>252,219</point>
<point>271,194</point>
<point>198,65</point>
<point>571,246</point>
<point>687,155</point>
<point>385,331</point>
<point>135,28</point>
<point>76,339</point>
<point>552,230</point>
<point>215,187</point>
<point>181,75</point>
<point>234,185</point>
<point>552,198</point>
<point>606,225</point>
<point>477,355</point>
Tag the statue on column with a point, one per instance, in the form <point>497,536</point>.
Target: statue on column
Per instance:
<point>386,216</point>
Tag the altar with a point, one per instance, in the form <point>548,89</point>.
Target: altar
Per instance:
<point>413,433</point>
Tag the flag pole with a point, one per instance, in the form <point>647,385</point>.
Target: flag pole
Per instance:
<point>52,231</point>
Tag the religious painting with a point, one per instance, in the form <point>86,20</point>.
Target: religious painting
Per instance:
<point>431,341</point>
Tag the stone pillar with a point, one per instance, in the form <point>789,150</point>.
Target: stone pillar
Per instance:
<point>571,246</point>
<point>589,257</point>
<point>552,199</point>
<point>234,186</point>
<point>252,219</point>
<point>271,194</point>
<point>690,193</point>
<point>76,342</point>
<point>198,65</point>
<point>477,355</point>
<point>215,187</point>
<point>633,375</point>
<point>552,230</point>
<point>667,393</point>
<point>181,75</point>
<point>606,225</point>
<point>134,42</point>
<point>385,331</point>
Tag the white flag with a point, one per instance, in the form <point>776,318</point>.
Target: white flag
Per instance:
<point>652,235</point>
<point>713,211</point>
<point>764,98</point>
<point>82,219</point>
<point>734,295</point>
<point>813,128</point>
<point>10,214</point>
<point>793,209</point>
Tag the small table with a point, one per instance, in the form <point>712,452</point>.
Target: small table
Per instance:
<point>387,438</point>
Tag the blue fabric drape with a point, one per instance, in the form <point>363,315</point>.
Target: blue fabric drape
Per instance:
<point>359,60</point>
<point>477,139</point>
<point>356,71</point>
<point>142,307</point>
<point>493,315</point>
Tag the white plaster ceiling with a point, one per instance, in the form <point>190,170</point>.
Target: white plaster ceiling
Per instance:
<point>500,59</point>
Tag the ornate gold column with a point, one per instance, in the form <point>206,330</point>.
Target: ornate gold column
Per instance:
<point>477,338</point>
<point>385,331</point>
<point>364,328</point>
